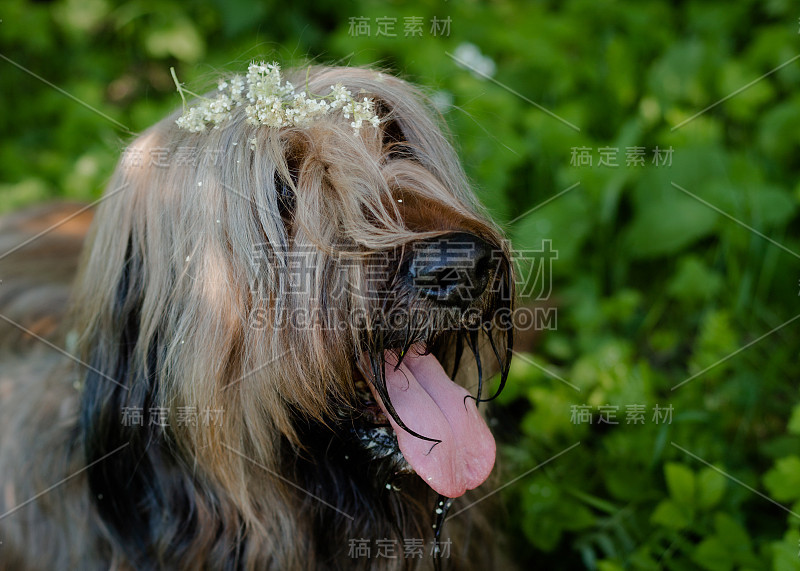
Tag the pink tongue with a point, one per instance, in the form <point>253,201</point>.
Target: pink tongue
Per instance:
<point>432,405</point>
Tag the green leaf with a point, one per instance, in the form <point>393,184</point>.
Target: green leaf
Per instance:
<point>577,516</point>
<point>770,206</point>
<point>783,481</point>
<point>716,340</point>
<point>779,133</point>
<point>694,281</point>
<point>733,535</point>
<point>745,106</point>
<point>565,221</point>
<point>667,224</point>
<point>678,74</point>
<point>671,515</point>
<point>784,553</point>
<point>794,422</point>
<point>713,554</point>
<point>711,487</point>
<point>681,483</point>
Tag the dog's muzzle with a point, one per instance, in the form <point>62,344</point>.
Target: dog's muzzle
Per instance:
<point>451,270</point>
<point>439,283</point>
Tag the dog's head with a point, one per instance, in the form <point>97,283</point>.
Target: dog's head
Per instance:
<point>299,277</point>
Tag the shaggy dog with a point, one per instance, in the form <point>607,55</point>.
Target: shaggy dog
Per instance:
<point>276,344</point>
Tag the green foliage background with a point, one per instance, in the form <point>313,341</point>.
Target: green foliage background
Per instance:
<point>653,285</point>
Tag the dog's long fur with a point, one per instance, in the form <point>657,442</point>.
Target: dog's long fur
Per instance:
<point>173,308</point>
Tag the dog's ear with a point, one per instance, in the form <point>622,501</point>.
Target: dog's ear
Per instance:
<point>136,487</point>
<point>286,186</point>
<point>286,196</point>
<point>393,140</point>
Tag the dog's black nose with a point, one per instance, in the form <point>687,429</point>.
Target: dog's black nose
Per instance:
<point>452,269</point>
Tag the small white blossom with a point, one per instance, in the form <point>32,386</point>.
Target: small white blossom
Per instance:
<point>193,120</point>
<point>237,86</point>
<point>469,56</point>
<point>442,100</point>
<point>275,103</point>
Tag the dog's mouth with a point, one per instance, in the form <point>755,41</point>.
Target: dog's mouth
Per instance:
<point>457,452</point>
<point>413,411</point>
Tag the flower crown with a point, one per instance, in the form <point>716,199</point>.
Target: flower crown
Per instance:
<point>271,101</point>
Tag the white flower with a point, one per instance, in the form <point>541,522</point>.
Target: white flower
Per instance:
<point>274,103</point>
<point>237,86</point>
<point>442,100</point>
<point>193,120</point>
<point>469,56</point>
